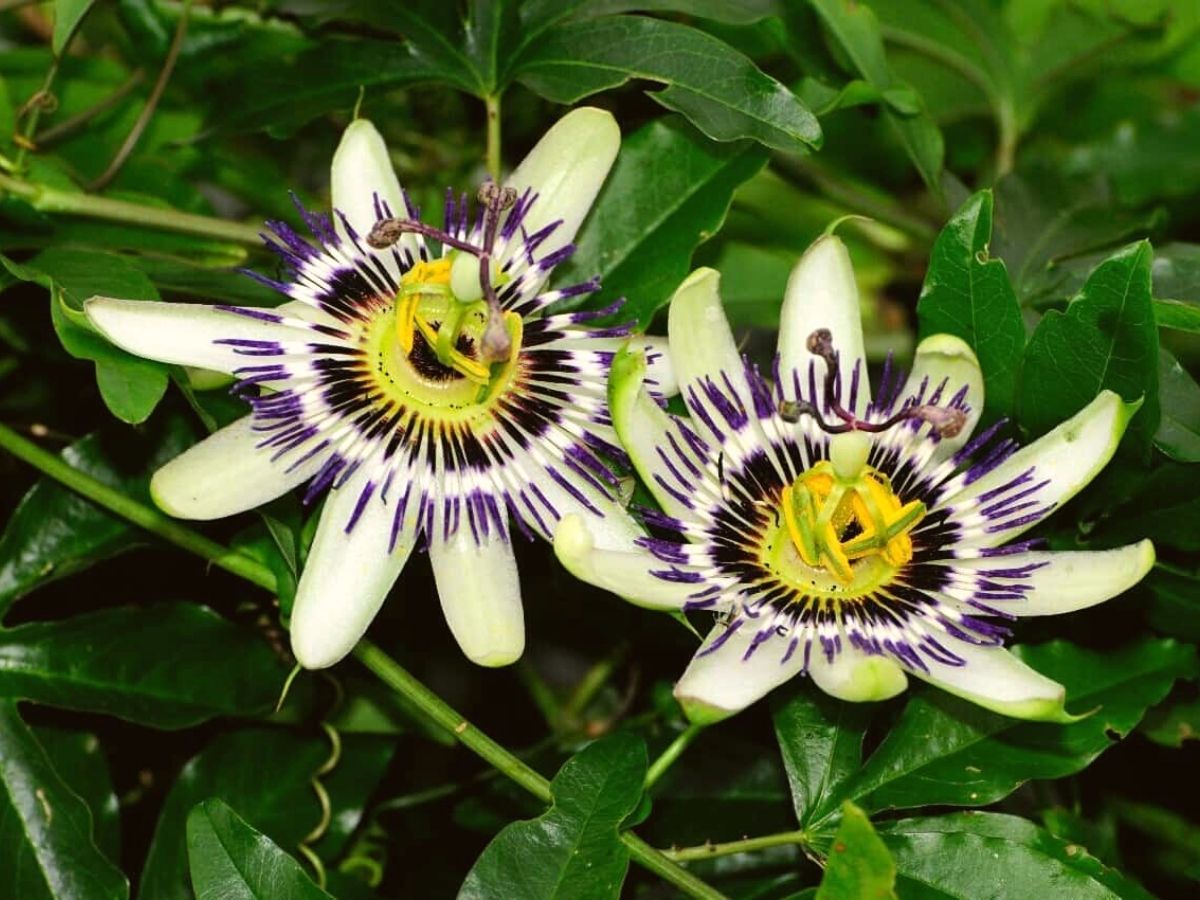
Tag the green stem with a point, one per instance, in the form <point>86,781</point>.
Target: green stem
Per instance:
<point>493,136</point>
<point>593,680</point>
<point>748,845</point>
<point>150,519</point>
<point>659,767</point>
<point>74,203</point>
<point>540,692</point>
<point>383,666</point>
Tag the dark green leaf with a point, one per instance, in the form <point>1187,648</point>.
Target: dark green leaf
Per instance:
<point>266,773</point>
<point>668,192</point>
<point>79,758</point>
<point>1164,506</point>
<point>721,91</point>
<point>1178,433</point>
<point>1174,722</point>
<point>961,854</point>
<point>54,532</point>
<point>858,864</point>
<point>1106,339</point>
<point>573,849</point>
<point>112,662</point>
<point>967,293</point>
<point>855,29</point>
<point>492,35</point>
<point>1174,607</point>
<point>947,751</point>
<point>821,741</point>
<point>231,861</point>
<point>46,846</point>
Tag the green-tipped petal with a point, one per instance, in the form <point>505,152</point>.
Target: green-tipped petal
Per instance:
<point>1067,458</point>
<point>856,677</point>
<point>944,358</point>
<point>224,474</point>
<point>361,170</point>
<point>995,679</point>
<point>822,293</point>
<point>701,342</point>
<point>348,574</point>
<point>480,592</point>
<point>624,572</point>
<point>1064,581</point>
<point>643,428</point>
<point>182,333</point>
<point>566,169</point>
<point>718,684</point>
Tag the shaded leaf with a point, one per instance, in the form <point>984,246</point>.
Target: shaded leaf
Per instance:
<point>821,740</point>
<point>1173,722</point>
<point>46,845</point>
<point>80,759</point>
<point>668,192</point>
<point>112,662</point>
<point>947,751</point>
<point>283,806</point>
<point>968,294</point>
<point>720,91</point>
<point>231,861</point>
<point>573,849</point>
<point>67,16</point>
<point>1178,433</point>
<point>858,864</point>
<point>1106,339</point>
<point>54,532</point>
<point>954,855</point>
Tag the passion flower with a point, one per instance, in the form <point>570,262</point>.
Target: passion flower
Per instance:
<point>855,541</point>
<point>434,394</point>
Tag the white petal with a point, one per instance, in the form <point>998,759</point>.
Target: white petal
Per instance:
<point>1067,459</point>
<point>945,359</point>
<point>624,572</point>
<point>660,371</point>
<point>644,428</point>
<point>997,680</point>
<point>1064,581</point>
<point>718,684</point>
<point>566,169</point>
<point>701,342</point>
<point>184,333</point>
<point>361,170</point>
<point>348,573</point>
<point>224,474</point>
<point>481,596</point>
<point>822,293</point>
<point>856,676</point>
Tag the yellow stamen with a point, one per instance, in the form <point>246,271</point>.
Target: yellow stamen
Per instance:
<point>417,281</point>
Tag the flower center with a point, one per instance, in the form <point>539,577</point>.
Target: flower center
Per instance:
<point>428,347</point>
<point>846,530</point>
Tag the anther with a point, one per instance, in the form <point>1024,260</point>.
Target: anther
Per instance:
<point>947,421</point>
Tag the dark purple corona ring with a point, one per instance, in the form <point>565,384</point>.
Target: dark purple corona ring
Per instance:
<point>419,379</point>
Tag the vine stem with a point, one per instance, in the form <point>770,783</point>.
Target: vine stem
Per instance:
<point>674,750</point>
<point>75,203</point>
<point>493,136</point>
<point>747,845</point>
<point>380,663</point>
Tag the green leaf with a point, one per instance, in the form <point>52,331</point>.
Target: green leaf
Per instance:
<point>960,854</point>
<point>1174,722</point>
<point>1178,433</point>
<point>1163,505</point>
<point>266,773</point>
<point>46,846</point>
<point>80,759</point>
<point>821,741</point>
<point>131,386</point>
<point>967,293</point>
<point>1177,283</point>
<point>854,28</point>
<point>668,192</point>
<point>54,532</point>
<point>112,662</point>
<point>231,861</point>
<point>947,751</point>
<point>720,91</point>
<point>858,864</point>
<point>1106,339</point>
<point>492,35</point>
<point>572,850</point>
<point>67,16</point>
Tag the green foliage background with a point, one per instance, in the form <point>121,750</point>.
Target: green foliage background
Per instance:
<point>1029,173</point>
